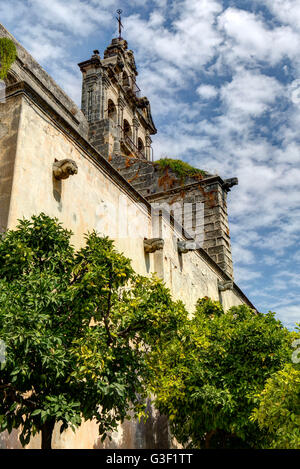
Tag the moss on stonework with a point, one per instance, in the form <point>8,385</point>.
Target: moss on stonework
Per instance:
<point>180,168</point>
<point>8,54</point>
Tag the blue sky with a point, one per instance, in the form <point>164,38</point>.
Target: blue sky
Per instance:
<point>223,78</point>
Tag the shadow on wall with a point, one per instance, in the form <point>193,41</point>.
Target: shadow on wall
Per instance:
<point>57,191</point>
<point>150,434</point>
<point>147,262</point>
<point>154,433</point>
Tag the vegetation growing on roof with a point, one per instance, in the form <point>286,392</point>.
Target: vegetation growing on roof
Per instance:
<point>180,168</point>
<point>8,54</point>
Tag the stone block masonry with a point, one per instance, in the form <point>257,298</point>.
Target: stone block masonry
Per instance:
<point>120,125</point>
<point>211,191</point>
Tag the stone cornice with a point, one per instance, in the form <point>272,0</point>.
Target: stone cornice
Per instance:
<point>146,122</point>
<point>175,190</point>
<point>93,61</point>
<point>26,88</point>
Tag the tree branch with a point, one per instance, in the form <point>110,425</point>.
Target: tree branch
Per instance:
<point>109,339</point>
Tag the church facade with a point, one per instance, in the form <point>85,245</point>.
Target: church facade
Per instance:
<point>93,168</point>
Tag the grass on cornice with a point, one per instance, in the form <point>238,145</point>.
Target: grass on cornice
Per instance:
<point>180,168</point>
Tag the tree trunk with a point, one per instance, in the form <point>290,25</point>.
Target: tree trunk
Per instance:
<point>47,430</point>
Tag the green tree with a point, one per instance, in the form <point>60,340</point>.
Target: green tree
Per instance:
<point>278,409</point>
<point>210,376</point>
<point>78,329</point>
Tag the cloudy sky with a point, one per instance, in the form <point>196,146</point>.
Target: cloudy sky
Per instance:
<point>223,78</point>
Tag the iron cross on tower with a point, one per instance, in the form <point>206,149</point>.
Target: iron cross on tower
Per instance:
<point>120,23</point>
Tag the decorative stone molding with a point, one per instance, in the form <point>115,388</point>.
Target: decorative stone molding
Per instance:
<point>186,246</point>
<point>225,285</point>
<point>105,81</point>
<point>154,244</point>
<point>64,168</point>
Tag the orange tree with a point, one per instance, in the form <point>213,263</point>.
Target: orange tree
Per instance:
<point>278,409</point>
<point>77,327</point>
<point>208,375</point>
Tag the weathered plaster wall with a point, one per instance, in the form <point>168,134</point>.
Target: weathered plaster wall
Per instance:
<point>229,298</point>
<point>9,123</point>
<point>203,203</point>
<point>83,202</point>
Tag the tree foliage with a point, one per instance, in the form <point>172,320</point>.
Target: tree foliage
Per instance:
<point>87,338</point>
<point>278,409</point>
<point>76,326</point>
<point>211,373</point>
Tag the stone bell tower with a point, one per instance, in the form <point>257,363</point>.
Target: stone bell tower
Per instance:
<point>120,121</point>
<point>120,128</point>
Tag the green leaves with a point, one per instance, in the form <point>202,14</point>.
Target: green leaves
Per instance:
<point>87,338</point>
<point>208,383</point>
<point>78,328</point>
<point>278,408</point>
<point>40,244</point>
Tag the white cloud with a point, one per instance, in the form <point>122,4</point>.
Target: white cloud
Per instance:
<point>289,315</point>
<point>191,42</point>
<point>207,91</point>
<point>77,16</point>
<point>250,93</point>
<point>249,39</point>
<point>287,11</point>
<point>245,275</point>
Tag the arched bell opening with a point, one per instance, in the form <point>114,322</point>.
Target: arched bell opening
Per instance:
<point>125,80</point>
<point>141,148</point>
<point>127,130</point>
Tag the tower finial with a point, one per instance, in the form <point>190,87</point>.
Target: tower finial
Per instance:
<point>120,23</point>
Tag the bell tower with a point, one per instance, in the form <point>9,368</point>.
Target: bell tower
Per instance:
<point>120,121</point>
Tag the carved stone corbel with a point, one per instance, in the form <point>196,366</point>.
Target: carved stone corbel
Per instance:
<point>225,285</point>
<point>186,246</point>
<point>64,168</point>
<point>154,244</point>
